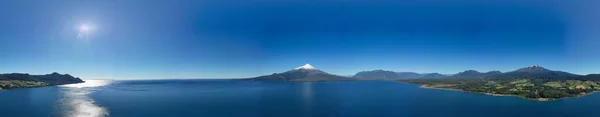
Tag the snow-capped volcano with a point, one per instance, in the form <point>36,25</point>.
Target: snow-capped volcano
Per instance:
<point>306,73</point>
<point>307,67</point>
<point>536,71</point>
<point>534,66</point>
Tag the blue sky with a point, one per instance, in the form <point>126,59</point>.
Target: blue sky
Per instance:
<point>150,39</point>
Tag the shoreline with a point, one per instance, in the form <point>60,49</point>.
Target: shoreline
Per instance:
<point>2,89</point>
<point>425,86</point>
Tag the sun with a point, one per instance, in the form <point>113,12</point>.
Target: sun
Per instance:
<point>84,28</point>
<point>84,31</point>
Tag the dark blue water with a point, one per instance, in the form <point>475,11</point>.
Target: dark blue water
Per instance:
<point>233,98</point>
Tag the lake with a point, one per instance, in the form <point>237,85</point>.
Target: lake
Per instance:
<point>234,98</point>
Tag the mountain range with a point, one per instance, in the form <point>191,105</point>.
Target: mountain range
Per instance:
<point>475,74</point>
<point>396,75</point>
<point>309,73</point>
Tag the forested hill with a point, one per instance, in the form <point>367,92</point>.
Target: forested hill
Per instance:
<point>22,80</point>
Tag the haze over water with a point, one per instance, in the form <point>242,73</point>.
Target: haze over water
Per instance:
<point>234,98</point>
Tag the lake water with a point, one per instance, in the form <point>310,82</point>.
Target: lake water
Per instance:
<point>234,98</point>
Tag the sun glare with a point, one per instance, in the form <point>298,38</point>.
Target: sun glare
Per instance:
<point>84,28</point>
<point>84,31</point>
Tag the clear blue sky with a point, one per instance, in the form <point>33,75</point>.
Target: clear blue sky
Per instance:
<point>148,39</point>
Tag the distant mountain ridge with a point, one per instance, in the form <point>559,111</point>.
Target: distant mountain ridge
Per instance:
<point>396,75</point>
<point>475,74</point>
<point>376,74</point>
<point>434,75</point>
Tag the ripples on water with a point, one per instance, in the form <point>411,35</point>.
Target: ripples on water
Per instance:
<point>77,103</point>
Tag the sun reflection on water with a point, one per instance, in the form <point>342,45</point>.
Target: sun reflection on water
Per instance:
<point>77,103</point>
<point>89,83</point>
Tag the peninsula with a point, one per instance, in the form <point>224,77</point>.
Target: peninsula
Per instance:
<point>22,80</point>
